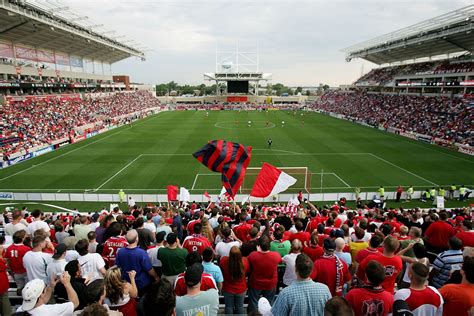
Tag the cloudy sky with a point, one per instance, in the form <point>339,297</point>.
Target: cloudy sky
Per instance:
<point>299,40</point>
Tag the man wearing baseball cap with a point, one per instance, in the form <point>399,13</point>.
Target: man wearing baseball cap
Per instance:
<point>331,270</point>
<point>56,267</point>
<point>196,301</point>
<point>36,294</point>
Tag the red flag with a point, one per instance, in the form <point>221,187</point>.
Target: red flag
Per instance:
<point>207,195</point>
<point>172,193</point>
<point>271,181</point>
<point>228,158</point>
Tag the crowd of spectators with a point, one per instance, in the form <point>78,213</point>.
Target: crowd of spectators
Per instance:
<point>161,260</point>
<point>442,117</point>
<point>32,123</point>
<point>381,76</point>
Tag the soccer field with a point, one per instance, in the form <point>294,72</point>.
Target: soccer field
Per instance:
<point>157,151</point>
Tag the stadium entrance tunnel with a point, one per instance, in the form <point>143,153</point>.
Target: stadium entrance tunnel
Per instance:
<point>242,124</point>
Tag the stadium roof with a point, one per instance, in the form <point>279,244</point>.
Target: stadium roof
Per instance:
<point>35,25</point>
<point>446,34</point>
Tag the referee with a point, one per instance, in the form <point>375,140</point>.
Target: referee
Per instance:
<point>270,142</point>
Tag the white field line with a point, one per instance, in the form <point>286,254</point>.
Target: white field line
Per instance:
<point>117,173</point>
<point>195,179</point>
<point>66,153</point>
<point>347,185</point>
<point>413,174</point>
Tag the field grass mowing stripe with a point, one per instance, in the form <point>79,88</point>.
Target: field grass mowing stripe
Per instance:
<point>413,174</point>
<point>117,173</point>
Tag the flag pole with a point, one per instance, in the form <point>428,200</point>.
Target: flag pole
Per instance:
<point>322,173</point>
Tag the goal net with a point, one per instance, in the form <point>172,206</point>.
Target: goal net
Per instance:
<point>301,174</point>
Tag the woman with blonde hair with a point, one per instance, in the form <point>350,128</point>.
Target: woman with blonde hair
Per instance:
<point>207,230</point>
<point>120,295</point>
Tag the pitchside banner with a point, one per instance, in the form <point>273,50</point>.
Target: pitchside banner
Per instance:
<point>24,52</point>
<point>6,50</point>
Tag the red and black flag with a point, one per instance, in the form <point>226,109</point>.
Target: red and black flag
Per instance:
<point>228,158</point>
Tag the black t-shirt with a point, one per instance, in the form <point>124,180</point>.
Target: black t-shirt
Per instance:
<point>79,286</point>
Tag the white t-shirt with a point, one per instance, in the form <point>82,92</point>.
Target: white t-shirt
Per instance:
<point>150,226</point>
<point>223,248</point>
<point>153,255</point>
<point>290,262</point>
<point>56,267</point>
<point>10,228</point>
<point>34,226</point>
<point>36,264</point>
<point>91,264</point>
<point>65,309</point>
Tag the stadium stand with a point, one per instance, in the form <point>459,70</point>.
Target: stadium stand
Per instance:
<point>441,117</point>
<point>33,123</point>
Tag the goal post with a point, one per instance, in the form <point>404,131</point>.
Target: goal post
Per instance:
<point>301,174</point>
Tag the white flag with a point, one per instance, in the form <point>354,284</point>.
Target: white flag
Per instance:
<point>184,194</point>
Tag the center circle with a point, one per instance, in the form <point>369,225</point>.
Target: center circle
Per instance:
<point>244,124</point>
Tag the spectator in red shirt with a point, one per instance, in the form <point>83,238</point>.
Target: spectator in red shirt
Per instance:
<point>312,249</point>
<point>392,263</point>
<point>371,299</point>
<point>14,257</point>
<point>467,234</point>
<point>374,244</point>
<point>300,234</point>
<point>207,281</point>
<point>331,270</point>
<point>242,230</point>
<point>234,268</point>
<point>113,244</point>
<point>196,241</point>
<point>438,234</point>
<point>4,286</point>
<point>263,276</point>
<point>313,223</point>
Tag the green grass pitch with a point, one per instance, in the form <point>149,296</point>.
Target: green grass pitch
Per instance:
<point>157,151</point>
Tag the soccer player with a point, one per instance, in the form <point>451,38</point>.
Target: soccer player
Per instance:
<point>207,113</point>
<point>282,123</point>
<point>249,123</point>
<point>270,142</point>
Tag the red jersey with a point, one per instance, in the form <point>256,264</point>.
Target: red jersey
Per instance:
<point>264,266</point>
<point>286,235</point>
<point>313,224</point>
<point>302,236</point>
<point>421,302</point>
<point>331,271</point>
<point>207,282</point>
<point>196,243</point>
<point>4,284</point>
<point>242,230</point>
<point>190,226</point>
<point>314,252</point>
<point>362,254</point>
<point>237,286</point>
<point>439,233</point>
<point>321,238</point>
<point>111,246</point>
<point>392,265</point>
<point>467,238</point>
<point>15,254</point>
<point>370,301</point>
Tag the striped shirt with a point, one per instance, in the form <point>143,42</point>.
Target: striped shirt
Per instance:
<point>444,263</point>
<point>302,298</point>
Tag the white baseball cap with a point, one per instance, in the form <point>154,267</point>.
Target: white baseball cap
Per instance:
<point>31,292</point>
